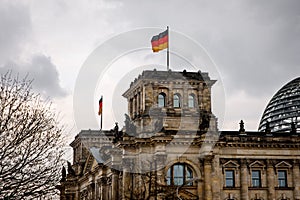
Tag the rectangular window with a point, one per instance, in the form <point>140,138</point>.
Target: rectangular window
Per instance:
<point>282,179</point>
<point>229,178</point>
<point>178,174</point>
<point>256,180</point>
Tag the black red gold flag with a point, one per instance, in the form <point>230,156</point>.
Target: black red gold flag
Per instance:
<point>160,41</point>
<point>100,107</point>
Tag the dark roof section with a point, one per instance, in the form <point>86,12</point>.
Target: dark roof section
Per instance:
<point>283,109</point>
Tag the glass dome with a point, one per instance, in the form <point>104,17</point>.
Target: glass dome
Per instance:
<point>283,109</point>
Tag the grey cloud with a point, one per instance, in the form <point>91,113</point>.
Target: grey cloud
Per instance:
<point>43,73</point>
<point>255,43</point>
<point>15,27</point>
<point>15,35</point>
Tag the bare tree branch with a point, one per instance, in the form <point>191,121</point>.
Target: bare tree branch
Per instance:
<point>30,142</point>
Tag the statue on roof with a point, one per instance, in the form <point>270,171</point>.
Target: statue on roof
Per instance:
<point>63,174</point>
<point>268,129</point>
<point>242,126</point>
<point>117,134</point>
<point>293,128</point>
<point>71,171</point>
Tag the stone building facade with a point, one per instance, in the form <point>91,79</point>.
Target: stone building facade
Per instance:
<point>170,148</point>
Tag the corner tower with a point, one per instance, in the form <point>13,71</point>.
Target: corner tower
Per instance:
<point>171,102</point>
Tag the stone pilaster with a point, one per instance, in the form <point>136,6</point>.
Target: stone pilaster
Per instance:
<point>91,190</point>
<point>77,193</point>
<point>169,102</point>
<point>216,179</point>
<point>270,180</point>
<point>137,103</point>
<point>184,100</point>
<point>98,187</point>
<point>244,180</point>
<point>207,178</point>
<point>296,179</point>
<point>160,164</point>
<point>134,107</point>
<point>103,192</point>
<point>114,184</point>
<point>126,182</point>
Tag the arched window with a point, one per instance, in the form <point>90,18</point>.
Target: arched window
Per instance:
<point>191,101</point>
<point>179,174</point>
<point>176,101</point>
<point>161,100</point>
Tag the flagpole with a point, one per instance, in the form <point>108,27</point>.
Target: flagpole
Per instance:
<point>168,57</point>
<point>101,119</point>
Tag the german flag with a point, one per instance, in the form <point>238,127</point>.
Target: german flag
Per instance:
<point>160,41</point>
<point>100,107</point>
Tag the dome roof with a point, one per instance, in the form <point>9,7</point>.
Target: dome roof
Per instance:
<point>283,109</point>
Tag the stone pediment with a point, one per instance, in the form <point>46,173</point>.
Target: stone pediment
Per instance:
<point>257,164</point>
<point>230,164</point>
<point>283,164</point>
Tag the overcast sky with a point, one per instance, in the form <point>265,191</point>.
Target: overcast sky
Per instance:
<point>254,44</point>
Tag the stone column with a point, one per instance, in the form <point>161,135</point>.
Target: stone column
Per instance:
<point>270,180</point>
<point>170,96</point>
<point>98,186</point>
<point>160,160</point>
<point>244,180</point>
<point>200,96</point>
<point>296,180</point>
<point>134,107</point>
<point>114,184</point>
<point>216,178</point>
<point>126,182</point>
<point>91,190</point>
<point>77,193</point>
<point>138,103</point>
<point>103,192</point>
<point>207,178</point>
<point>184,98</point>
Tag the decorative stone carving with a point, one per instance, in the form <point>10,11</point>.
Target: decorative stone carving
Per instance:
<point>242,127</point>
<point>63,174</point>
<point>103,180</point>
<point>70,169</point>
<point>130,127</point>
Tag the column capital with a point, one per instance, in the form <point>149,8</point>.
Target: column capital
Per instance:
<point>91,186</point>
<point>103,180</point>
<point>207,159</point>
<point>114,171</point>
<point>296,162</point>
<point>128,163</point>
<point>244,162</point>
<point>270,162</point>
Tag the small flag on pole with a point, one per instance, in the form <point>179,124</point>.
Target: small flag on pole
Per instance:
<point>100,107</point>
<point>160,41</point>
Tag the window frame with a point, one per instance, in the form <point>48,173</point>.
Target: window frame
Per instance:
<point>178,99</point>
<point>193,100</point>
<point>229,178</point>
<point>254,179</point>
<point>279,179</point>
<point>183,177</point>
<point>163,95</point>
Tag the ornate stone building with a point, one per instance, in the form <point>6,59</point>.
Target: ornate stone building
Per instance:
<point>170,148</point>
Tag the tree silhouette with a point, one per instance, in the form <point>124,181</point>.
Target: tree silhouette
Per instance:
<point>30,142</point>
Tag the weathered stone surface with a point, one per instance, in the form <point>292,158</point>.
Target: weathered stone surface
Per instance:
<point>171,140</point>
